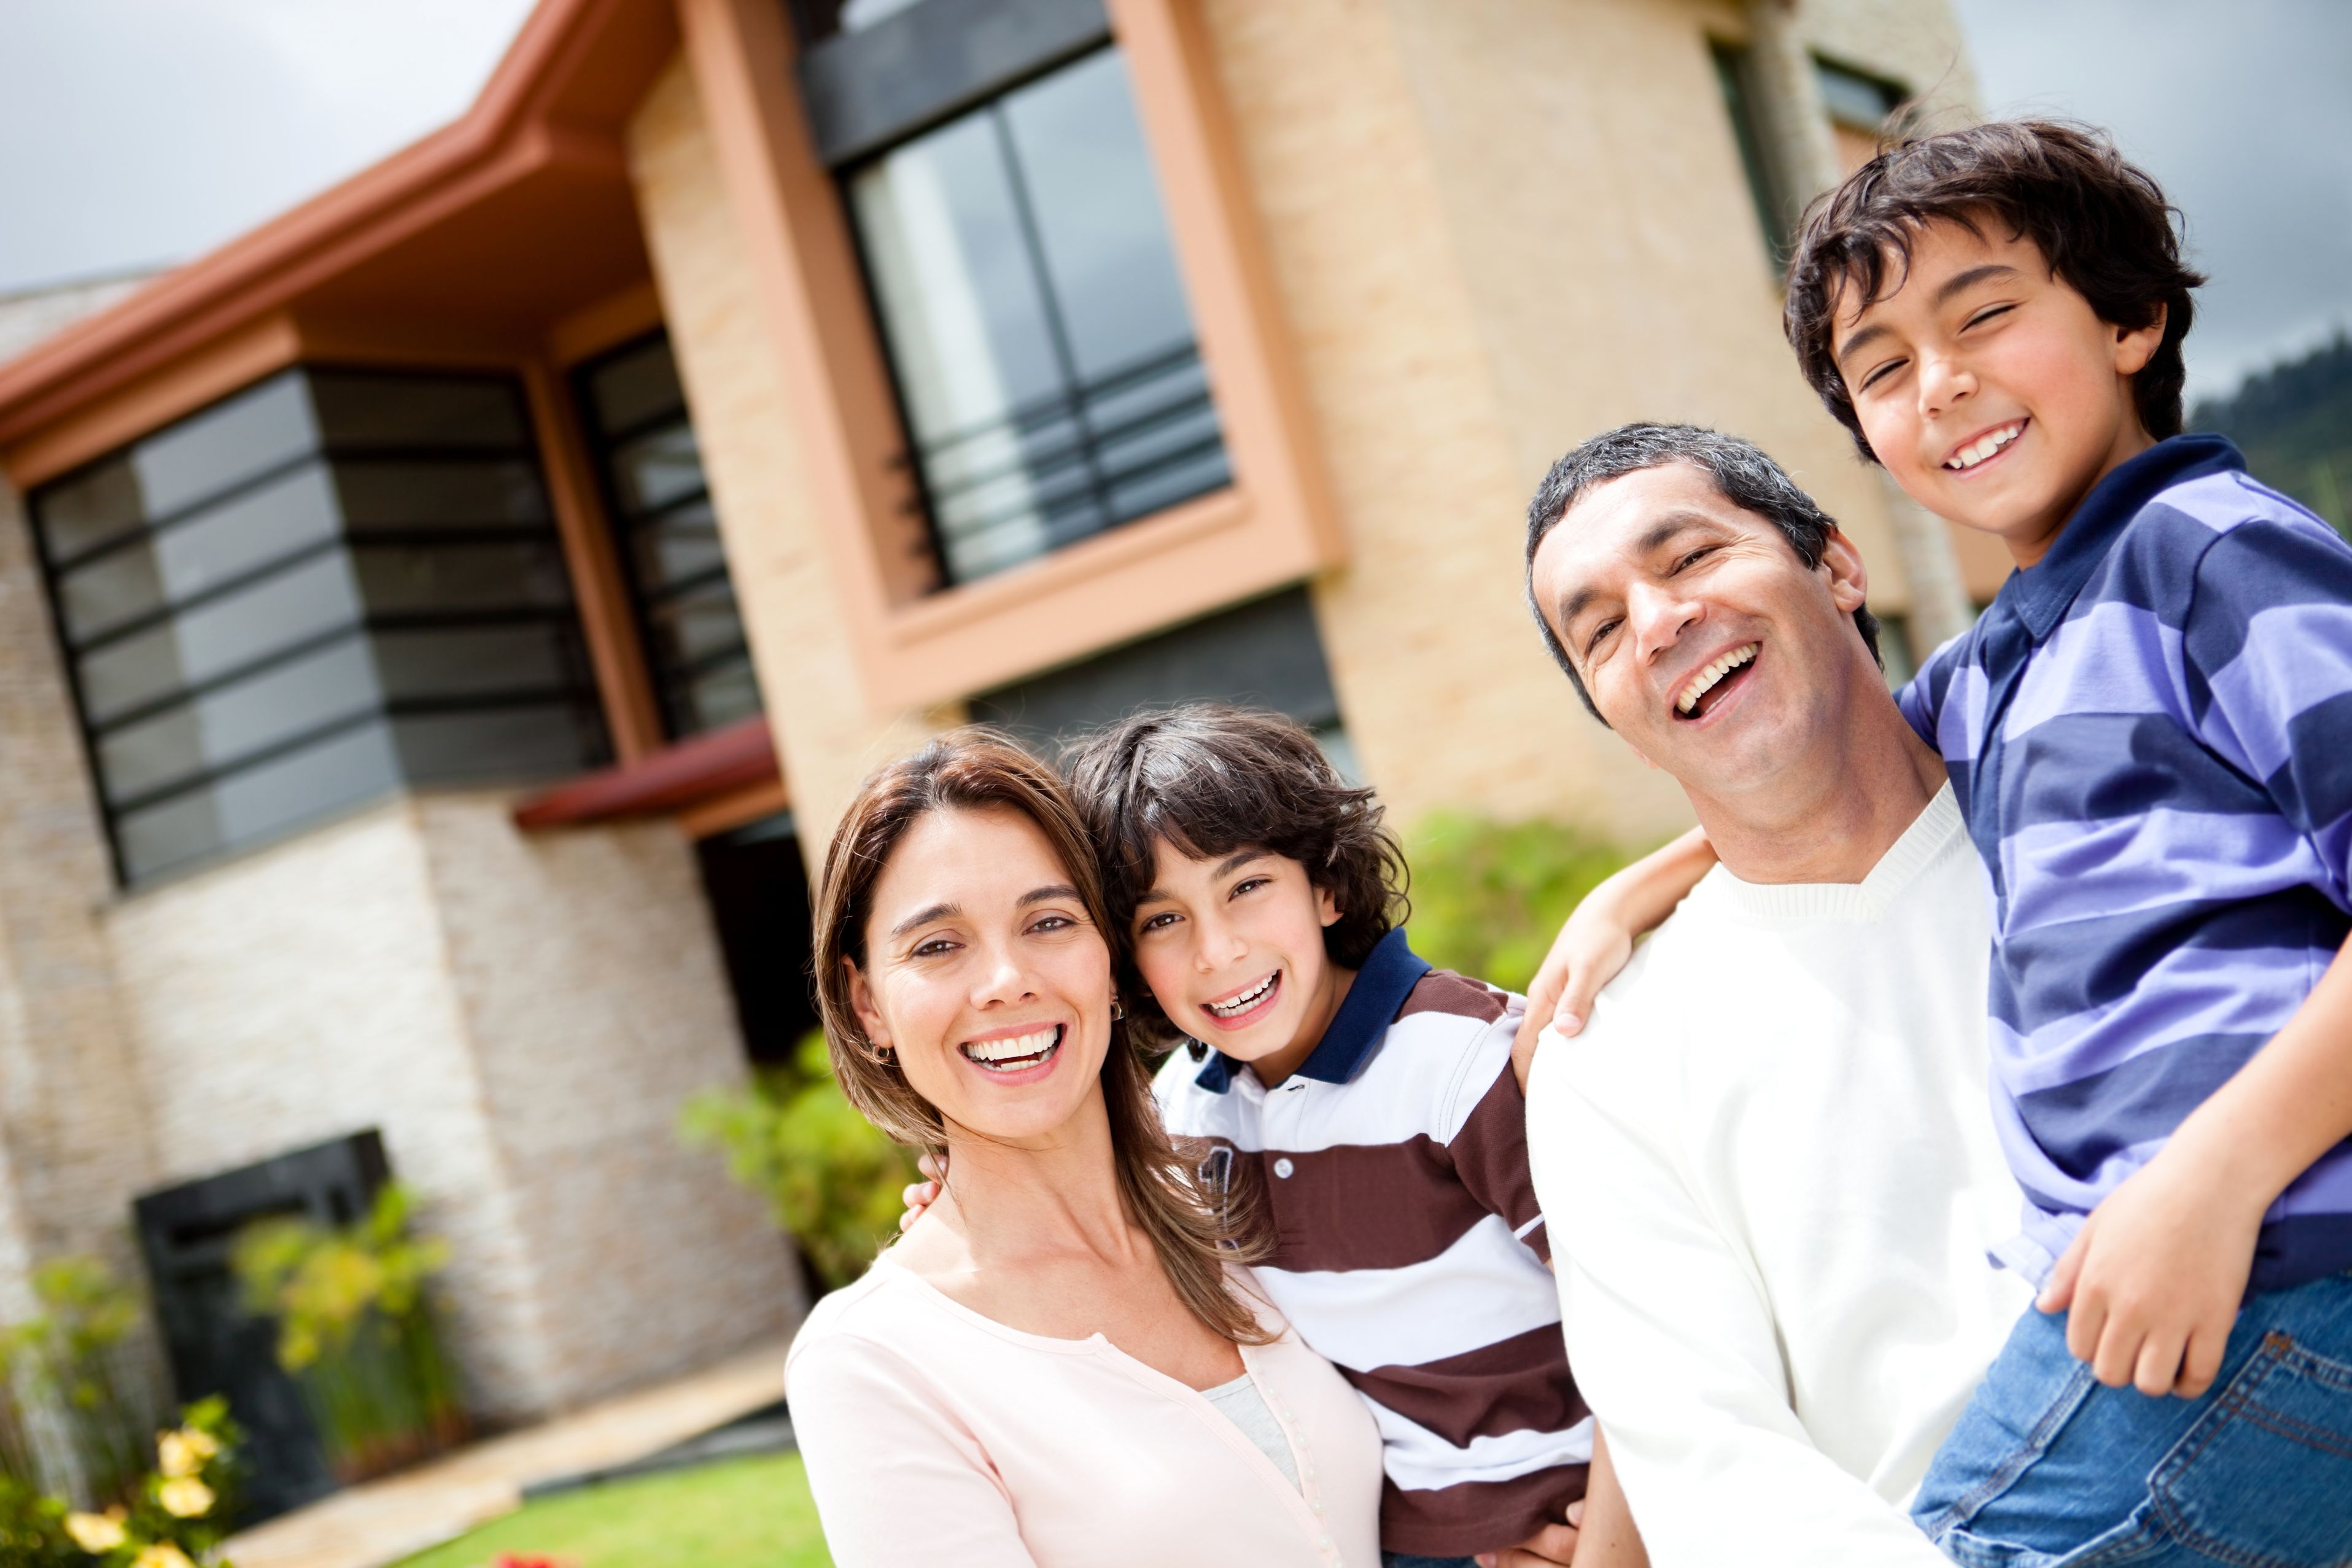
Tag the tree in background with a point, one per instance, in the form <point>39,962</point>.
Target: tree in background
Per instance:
<point>1489,897</point>
<point>2294,422</point>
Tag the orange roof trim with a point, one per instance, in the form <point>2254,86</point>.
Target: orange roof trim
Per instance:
<point>515,215</point>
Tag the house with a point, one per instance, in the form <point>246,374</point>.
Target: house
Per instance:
<point>440,628</point>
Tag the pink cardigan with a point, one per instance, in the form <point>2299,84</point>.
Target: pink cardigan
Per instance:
<point>936,1436</point>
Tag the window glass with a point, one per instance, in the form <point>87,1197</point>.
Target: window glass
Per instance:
<point>670,548</point>
<point>1734,73</point>
<point>249,595</point>
<point>231,539</point>
<point>369,410</point>
<point>1036,321</point>
<point>233,441</point>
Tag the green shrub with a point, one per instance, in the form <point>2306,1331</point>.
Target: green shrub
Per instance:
<point>356,1332</point>
<point>827,1175</point>
<point>1489,897</point>
<point>78,1360</point>
<point>169,1517</point>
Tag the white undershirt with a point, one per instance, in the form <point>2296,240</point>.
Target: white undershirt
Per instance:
<point>1772,1178</point>
<point>1240,1403</point>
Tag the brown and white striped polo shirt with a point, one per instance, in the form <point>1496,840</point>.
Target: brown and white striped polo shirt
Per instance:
<point>1409,1248</point>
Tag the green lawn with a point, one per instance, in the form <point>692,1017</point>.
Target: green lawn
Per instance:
<point>742,1511</point>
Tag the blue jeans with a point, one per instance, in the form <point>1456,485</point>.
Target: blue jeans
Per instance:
<point>2048,1467</point>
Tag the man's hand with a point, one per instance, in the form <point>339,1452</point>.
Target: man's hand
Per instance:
<point>919,1196</point>
<point>1553,1546</point>
<point>2154,1276</point>
<point>1598,939</point>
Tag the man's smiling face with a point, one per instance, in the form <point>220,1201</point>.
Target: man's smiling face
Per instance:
<point>1988,388</point>
<point>1703,638</point>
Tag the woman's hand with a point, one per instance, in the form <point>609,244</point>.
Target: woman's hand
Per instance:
<point>1598,939</point>
<point>921,1195</point>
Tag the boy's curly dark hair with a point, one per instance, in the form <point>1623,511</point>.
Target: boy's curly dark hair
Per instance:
<point>1211,779</point>
<point>2102,224</point>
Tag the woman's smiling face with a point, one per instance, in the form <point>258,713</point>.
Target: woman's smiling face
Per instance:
<point>985,975</point>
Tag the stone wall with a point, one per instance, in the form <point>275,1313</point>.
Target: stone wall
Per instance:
<point>74,1140</point>
<point>522,1016</point>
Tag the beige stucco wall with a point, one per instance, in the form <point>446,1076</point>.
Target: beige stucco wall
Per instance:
<point>828,738</point>
<point>1496,229</point>
<point>522,1016</point>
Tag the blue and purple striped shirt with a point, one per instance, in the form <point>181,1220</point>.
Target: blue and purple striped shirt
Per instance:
<point>2151,733</point>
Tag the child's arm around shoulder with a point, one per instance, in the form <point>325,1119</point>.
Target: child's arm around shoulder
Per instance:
<point>2154,1278</point>
<point>1597,938</point>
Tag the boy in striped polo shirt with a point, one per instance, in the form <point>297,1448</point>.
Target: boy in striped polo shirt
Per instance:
<point>2151,733</point>
<point>1363,1105</point>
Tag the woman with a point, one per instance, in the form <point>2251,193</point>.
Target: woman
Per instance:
<point>1059,1364</point>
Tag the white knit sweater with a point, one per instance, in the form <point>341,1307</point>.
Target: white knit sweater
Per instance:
<point>1772,1176</point>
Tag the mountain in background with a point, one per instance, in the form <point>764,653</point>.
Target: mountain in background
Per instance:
<point>2294,422</point>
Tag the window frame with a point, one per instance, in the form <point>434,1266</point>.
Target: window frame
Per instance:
<point>71,649</point>
<point>916,643</point>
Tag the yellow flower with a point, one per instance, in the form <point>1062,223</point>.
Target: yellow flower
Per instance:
<point>162,1555</point>
<point>177,1456</point>
<point>96,1533</point>
<point>202,1444</point>
<point>185,1497</point>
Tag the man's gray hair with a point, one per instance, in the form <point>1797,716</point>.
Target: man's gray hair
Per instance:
<point>1747,477</point>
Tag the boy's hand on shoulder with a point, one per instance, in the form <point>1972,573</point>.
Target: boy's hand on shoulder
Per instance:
<point>2154,1279</point>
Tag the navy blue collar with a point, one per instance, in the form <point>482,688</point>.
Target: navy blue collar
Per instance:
<point>1390,973</point>
<point>2041,595</point>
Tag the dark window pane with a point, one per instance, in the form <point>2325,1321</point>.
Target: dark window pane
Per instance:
<point>339,772</point>
<point>671,546</point>
<point>683,543</point>
<point>634,385</point>
<point>231,442</point>
<point>248,616</point>
<point>370,410</point>
<point>290,607</point>
<point>694,625</point>
<point>98,504</point>
<point>720,696</point>
<point>1036,321</point>
<point>378,494</point>
<point>232,722</point>
<point>498,744</point>
<point>1107,251</point>
<point>449,662</point>
<point>395,579</point>
<point>657,469</point>
<point>250,530</point>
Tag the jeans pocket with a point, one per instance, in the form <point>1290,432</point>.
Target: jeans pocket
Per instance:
<point>2265,1477</point>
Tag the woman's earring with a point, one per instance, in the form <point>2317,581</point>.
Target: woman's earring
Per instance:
<point>1117,1010</point>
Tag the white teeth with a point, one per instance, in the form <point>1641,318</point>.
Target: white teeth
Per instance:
<point>1704,681</point>
<point>1976,452</point>
<point>987,1053</point>
<point>1245,1001</point>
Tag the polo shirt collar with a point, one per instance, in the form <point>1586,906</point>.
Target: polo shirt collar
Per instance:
<point>2041,595</point>
<point>1372,1005</point>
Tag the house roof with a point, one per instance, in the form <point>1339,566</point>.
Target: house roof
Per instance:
<point>513,217</point>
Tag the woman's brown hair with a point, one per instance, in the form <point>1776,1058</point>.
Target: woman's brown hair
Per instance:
<point>972,770</point>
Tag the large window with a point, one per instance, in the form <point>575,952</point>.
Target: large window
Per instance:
<point>331,585</point>
<point>1004,203</point>
<point>654,486</point>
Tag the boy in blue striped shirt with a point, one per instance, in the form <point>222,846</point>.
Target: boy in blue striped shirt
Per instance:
<point>2151,731</point>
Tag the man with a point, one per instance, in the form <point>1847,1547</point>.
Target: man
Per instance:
<point>1768,1160</point>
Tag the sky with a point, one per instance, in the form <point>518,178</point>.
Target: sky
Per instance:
<point>135,133</point>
